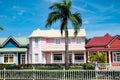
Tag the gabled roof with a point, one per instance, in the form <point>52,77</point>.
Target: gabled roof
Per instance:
<point>21,41</point>
<point>100,41</point>
<point>55,33</point>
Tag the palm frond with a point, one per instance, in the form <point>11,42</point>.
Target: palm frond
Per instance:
<point>1,28</point>
<point>76,22</point>
<point>53,17</point>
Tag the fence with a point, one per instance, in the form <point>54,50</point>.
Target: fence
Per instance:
<point>58,75</point>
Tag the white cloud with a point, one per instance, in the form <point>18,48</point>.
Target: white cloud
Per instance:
<point>86,22</point>
<point>82,9</point>
<point>3,16</point>
<point>21,12</point>
<point>52,1</point>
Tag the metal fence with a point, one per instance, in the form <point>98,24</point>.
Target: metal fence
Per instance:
<point>59,75</point>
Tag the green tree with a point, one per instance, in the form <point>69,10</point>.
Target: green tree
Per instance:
<point>62,11</point>
<point>1,28</point>
<point>98,57</point>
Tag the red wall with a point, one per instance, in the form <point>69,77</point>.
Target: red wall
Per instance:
<point>115,43</point>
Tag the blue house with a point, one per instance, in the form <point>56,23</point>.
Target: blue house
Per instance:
<point>14,50</point>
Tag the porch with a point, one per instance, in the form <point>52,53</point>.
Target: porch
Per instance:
<point>112,56</point>
<point>13,56</point>
<point>58,57</point>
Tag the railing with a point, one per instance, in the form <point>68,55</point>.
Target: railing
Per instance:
<point>58,75</point>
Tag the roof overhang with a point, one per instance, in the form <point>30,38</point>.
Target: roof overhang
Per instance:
<point>13,50</point>
<point>103,49</point>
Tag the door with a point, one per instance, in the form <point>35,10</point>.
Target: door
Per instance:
<point>22,58</point>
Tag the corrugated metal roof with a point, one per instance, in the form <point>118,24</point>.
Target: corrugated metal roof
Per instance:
<point>100,41</point>
<point>55,33</point>
<point>22,41</point>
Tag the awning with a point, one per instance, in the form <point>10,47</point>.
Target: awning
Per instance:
<point>13,50</point>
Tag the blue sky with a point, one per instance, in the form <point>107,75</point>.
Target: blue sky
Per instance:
<point>21,17</point>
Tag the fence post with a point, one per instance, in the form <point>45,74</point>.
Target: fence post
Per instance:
<point>33,72</point>
<point>4,74</point>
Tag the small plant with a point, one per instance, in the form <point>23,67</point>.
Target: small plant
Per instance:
<point>88,66</point>
<point>98,57</point>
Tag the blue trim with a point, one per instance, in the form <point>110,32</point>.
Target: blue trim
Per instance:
<point>11,44</point>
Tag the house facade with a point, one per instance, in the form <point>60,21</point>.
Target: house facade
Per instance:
<point>48,46</point>
<point>109,45</point>
<point>13,50</point>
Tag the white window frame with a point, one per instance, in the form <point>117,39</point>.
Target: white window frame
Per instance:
<point>69,41</point>
<point>78,40</point>
<point>36,57</point>
<point>115,56</point>
<point>10,54</point>
<point>36,41</point>
<point>78,61</point>
<point>57,41</point>
<point>57,61</point>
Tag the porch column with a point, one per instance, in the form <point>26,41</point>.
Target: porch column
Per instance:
<point>63,57</point>
<point>16,58</point>
<point>26,58</point>
<point>51,57</point>
<point>87,57</point>
<point>109,58</point>
<point>84,56</point>
<point>73,59</point>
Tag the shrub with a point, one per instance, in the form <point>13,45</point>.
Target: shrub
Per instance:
<point>88,66</point>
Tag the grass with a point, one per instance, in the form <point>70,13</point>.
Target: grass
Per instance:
<point>72,68</point>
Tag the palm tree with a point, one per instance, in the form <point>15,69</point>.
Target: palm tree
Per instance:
<point>62,12</point>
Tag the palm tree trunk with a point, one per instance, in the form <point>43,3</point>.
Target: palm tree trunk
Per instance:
<point>66,48</point>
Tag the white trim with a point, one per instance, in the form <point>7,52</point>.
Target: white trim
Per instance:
<point>21,58</point>
<point>113,56</point>
<point>9,56</point>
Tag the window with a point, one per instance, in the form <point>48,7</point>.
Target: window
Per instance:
<point>79,57</point>
<point>8,58</point>
<point>36,41</point>
<point>117,56</point>
<point>57,57</point>
<point>57,41</point>
<point>78,41</point>
<point>69,41</point>
<point>36,57</point>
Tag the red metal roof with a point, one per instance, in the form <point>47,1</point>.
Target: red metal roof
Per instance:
<point>100,41</point>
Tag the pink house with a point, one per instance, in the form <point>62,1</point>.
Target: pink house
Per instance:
<point>48,46</point>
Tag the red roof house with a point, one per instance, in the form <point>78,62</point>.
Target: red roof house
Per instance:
<point>108,44</point>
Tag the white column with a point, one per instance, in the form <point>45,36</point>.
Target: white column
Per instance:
<point>63,59</point>
<point>16,58</point>
<point>88,56</point>
<point>73,57</point>
<point>26,58</point>
<point>84,56</point>
<point>109,58</point>
<point>51,57</point>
